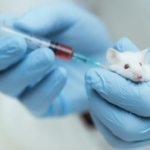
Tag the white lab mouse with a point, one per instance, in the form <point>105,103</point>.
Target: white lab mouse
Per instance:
<point>131,65</point>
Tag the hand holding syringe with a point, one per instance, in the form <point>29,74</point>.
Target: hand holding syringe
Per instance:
<point>59,86</point>
<point>61,51</point>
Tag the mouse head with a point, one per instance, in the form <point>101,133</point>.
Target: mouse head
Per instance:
<point>128,64</point>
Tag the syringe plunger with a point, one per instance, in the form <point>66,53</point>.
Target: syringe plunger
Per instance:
<point>33,42</point>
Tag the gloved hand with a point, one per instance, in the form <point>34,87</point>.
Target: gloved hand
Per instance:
<point>41,94</point>
<point>120,108</point>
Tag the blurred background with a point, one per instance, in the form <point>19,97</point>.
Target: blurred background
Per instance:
<point>21,131</point>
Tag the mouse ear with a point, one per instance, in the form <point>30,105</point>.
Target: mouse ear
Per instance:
<point>144,56</point>
<point>112,56</point>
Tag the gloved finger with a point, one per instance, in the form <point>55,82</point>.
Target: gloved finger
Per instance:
<point>123,124</point>
<point>64,106</point>
<point>124,44</point>
<point>59,107</point>
<point>48,89</point>
<point>8,19</point>
<point>33,67</point>
<point>12,48</point>
<point>52,18</point>
<point>114,141</point>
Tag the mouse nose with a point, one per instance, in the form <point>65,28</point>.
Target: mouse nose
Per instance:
<point>139,76</point>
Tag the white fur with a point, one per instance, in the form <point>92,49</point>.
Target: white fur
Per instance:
<point>117,61</point>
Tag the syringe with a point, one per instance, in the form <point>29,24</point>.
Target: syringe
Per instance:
<point>60,50</point>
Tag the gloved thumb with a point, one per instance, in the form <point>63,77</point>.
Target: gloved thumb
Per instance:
<point>48,19</point>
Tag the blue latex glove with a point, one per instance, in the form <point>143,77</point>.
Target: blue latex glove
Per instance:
<point>61,22</point>
<point>120,108</point>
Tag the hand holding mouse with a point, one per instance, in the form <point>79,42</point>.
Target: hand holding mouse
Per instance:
<point>119,107</point>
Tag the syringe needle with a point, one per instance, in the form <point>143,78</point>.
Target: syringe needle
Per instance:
<point>84,59</point>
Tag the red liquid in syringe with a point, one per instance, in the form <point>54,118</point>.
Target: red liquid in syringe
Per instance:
<point>62,51</point>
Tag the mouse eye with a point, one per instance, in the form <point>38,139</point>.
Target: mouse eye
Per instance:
<point>140,64</point>
<point>126,66</point>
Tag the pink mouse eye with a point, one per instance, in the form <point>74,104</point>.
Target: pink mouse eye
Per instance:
<point>140,64</point>
<point>126,66</point>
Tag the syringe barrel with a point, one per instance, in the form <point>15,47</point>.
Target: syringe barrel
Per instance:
<point>61,51</point>
<point>33,42</point>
